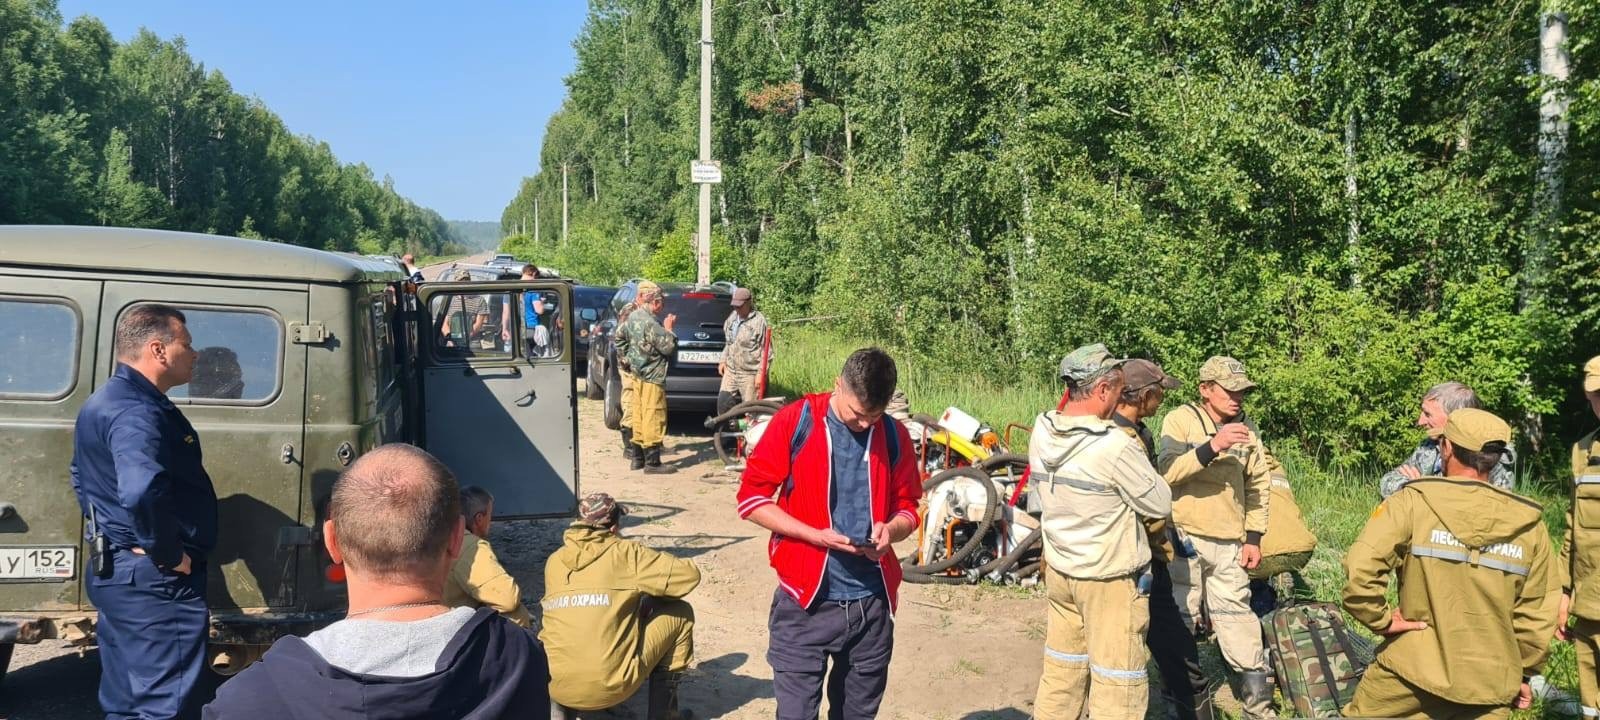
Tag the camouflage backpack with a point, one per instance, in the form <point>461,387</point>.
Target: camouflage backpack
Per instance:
<point>1316,658</point>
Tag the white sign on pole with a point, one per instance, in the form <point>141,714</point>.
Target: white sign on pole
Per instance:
<point>705,172</point>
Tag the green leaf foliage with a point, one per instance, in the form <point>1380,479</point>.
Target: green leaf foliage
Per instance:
<point>140,134</point>
<point>1341,194</point>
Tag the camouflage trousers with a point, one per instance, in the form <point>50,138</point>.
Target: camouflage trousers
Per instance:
<point>1586,643</point>
<point>1094,651</point>
<point>1383,694</point>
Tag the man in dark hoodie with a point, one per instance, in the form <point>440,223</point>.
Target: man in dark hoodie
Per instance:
<point>1478,587</point>
<point>395,524</point>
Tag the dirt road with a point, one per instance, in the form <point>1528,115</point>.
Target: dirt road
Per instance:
<point>960,653</point>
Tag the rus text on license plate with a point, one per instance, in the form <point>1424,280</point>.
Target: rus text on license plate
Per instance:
<point>702,357</point>
<point>38,562</point>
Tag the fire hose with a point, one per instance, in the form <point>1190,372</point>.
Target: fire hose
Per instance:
<point>757,407</point>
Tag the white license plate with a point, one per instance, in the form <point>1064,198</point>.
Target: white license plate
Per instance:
<point>40,562</point>
<point>702,357</point>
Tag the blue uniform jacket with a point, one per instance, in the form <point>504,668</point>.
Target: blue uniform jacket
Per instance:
<point>136,459</point>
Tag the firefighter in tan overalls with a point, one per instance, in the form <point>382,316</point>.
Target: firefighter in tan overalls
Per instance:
<point>1580,555</point>
<point>1220,488</point>
<point>1478,587</point>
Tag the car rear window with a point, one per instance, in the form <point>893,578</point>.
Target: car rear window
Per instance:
<point>698,309</point>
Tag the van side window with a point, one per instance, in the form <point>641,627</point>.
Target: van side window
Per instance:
<point>41,361</point>
<point>474,324</point>
<point>240,356</point>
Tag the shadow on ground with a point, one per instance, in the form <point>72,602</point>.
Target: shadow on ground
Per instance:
<point>1002,714</point>
<point>695,694</point>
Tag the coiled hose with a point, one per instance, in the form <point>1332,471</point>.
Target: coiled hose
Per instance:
<point>914,572</point>
<point>754,407</point>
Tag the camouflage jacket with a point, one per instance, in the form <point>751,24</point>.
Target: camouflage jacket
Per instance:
<point>648,346</point>
<point>1426,460</point>
<point>746,339</point>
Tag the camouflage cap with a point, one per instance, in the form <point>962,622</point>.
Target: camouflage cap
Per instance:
<point>1591,374</point>
<point>740,297</point>
<point>1477,430</point>
<point>1227,372</point>
<point>598,509</point>
<point>1087,363</point>
<point>461,275</point>
<point>647,291</point>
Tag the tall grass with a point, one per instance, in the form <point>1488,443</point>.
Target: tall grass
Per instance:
<point>1335,503</point>
<point>806,360</point>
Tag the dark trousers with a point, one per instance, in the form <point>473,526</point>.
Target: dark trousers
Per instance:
<point>152,635</point>
<point>858,636</point>
<point>1172,646</point>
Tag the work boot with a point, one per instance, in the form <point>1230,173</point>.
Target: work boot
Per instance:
<point>652,462</point>
<point>1257,694</point>
<point>627,443</point>
<point>664,697</point>
<point>637,459</point>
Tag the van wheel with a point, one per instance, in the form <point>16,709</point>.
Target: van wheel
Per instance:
<point>592,388</point>
<point>613,401</point>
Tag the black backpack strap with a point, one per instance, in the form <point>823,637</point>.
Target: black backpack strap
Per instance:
<point>892,440</point>
<point>797,440</point>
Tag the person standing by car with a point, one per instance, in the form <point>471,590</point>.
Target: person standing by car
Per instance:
<point>151,518</point>
<point>650,345</point>
<point>835,481</point>
<point>741,366</point>
<point>535,334</point>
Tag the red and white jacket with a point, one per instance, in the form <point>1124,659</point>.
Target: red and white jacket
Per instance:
<point>894,492</point>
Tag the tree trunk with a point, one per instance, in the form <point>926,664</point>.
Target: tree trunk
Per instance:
<point>1554,63</point>
<point>1353,228</point>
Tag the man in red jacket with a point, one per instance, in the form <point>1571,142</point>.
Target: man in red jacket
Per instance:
<point>847,486</point>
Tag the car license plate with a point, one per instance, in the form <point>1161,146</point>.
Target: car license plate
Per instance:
<point>38,562</point>
<point>703,357</point>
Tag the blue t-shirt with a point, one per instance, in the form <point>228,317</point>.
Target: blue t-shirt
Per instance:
<point>530,319</point>
<point>850,577</point>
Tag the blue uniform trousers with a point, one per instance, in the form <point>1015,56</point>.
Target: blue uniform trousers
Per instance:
<point>152,633</point>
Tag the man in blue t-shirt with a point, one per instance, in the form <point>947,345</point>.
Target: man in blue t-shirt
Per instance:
<point>535,336</point>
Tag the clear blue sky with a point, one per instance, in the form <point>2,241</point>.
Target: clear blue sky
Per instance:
<point>450,99</point>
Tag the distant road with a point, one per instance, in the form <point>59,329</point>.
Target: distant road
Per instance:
<point>432,272</point>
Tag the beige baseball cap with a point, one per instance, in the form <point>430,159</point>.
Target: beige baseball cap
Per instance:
<point>1227,372</point>
<point>1477,430</point>
<point>1591,374</point>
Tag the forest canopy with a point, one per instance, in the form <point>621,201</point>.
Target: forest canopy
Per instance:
<point>1358,198</point>
<point>141,134</point>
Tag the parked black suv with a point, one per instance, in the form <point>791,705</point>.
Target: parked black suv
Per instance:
<point>692,378</point>
<point>589,305</point>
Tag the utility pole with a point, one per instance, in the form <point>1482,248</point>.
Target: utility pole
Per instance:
<point>563,204</point>
<point>703,246</point>
<point>536,219</point>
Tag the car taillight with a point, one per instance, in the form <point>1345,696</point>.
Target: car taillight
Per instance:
<point>699,296</point>
<point>335,573</point>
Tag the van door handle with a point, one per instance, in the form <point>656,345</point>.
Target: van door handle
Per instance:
<point>527,400</point>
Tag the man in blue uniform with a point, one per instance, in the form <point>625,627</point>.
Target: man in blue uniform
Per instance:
<point>137,474</point>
